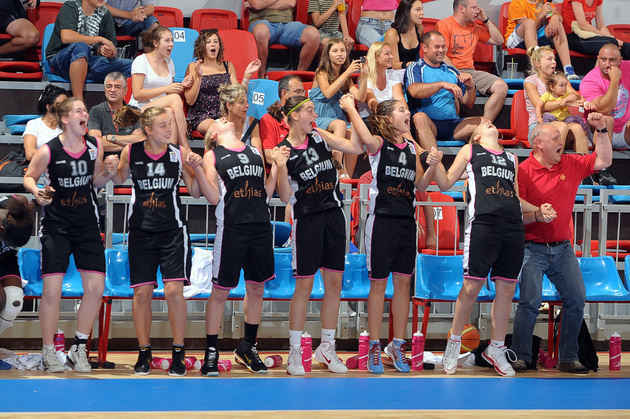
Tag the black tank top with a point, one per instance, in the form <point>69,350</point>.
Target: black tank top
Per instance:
<point>412,54</point>
<point>393,180</point>
<point>313,177</point>
<point>74,207</point>
<point>155,202</point>
<point>491,179</point>
<point>241,185</point>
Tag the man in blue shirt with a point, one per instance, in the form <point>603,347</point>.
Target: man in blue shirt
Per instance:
<point>435,91</point>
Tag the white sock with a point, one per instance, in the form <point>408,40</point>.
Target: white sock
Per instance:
<point>4,325</point>
<point>81,336</point>
<point>295,338</point>
<point>52,347</point>
<point>328,335</point>
<point>456,338</point>
<point>496,344</point>
<point>565,67</point>
<point>398,341</point>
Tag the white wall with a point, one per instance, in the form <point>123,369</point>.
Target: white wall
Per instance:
<point>615,11</point>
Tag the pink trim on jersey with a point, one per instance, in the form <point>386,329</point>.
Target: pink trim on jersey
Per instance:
<point>174,279</point>
<point>49,153</point>
<point>223,288</point>
<point>144,283</point>
<point>378,279</point>
<point>401,145</point>
<point>305,276</point>
<point>476,278</point>
<point>266,280</point>
<point>58,273</point>
<point>401,274</point>
<point>91,272</point>
<point>379,149</point>
<point>236,149</point>
<point>331,270</point>
<point>76,155</point>
<point>493,278</point>
<point>7,276</point>
<point>496,153</point>
<point>302,146</point>
<point>155,156</point>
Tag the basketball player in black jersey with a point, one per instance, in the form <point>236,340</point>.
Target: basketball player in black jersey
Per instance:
<point>309,181</point>
<point>73,166</point>
<point>244,238</point>
<point>495,237</point>
<point>158,234</point>
<point>390,233</point>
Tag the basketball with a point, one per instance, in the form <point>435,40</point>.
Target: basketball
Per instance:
<point>470,338</point>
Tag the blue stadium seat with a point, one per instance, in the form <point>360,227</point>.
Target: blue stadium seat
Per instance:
<point>283,285</point>
<point>182,53</point>
<point>620,199</point>
<point>117,276</point>
<point>493,290</point>
<point>356,283</point>
<point>282,232</point>
<point>52,77</point>
<point>601,279</point>
<point>261,93</point>
<point>627,272</point>
<point>30,270</point>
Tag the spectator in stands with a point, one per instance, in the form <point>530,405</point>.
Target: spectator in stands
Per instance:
<point>131,19</point>
<point>73,166</point>
<point>585,35</point>
<point>376,18</point>
<point>462,35</point>
<point>83,44</point>
<point>234,108</point>
<point>432,90</point>
<point>309,180</point>
<point>244,237</point>
<point>329,16</point>
<point>494,242</point>
<point>607,86</point>
<point>405,35</point>
<point>390,235</point>
<point>210,71</point>
<point>274,126</point>
<point>152,80</point>
<point>158,233</point>
<point>538,23</point>
<point>542,63</point>
<point>550,176</point>
<point>16,226</point>
<point>553,103</point>
<point>332,80</point>
<point>14,22</point>
<point>271,22</point>
<point>102,125</point>
<point>43,129</point>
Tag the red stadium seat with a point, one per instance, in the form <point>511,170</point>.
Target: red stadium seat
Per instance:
<point>169,16</point>
<point>213,19</point>
<point>40,16</point>
<point>446,226</point>
<point>518,118</point>
<point>304,75</point>
<point>301,12</point>
<point>240,49</point>
<point>20,70</point>
<point>620,31</point>
<point>353,13</point>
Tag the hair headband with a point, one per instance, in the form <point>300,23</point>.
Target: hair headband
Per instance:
<point>298,105</point>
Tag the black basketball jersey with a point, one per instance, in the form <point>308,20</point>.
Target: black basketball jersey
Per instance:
<point>392,190</point>
<point>491,178</point>
<point>74,207</point>
<point>313,177</point>
<point>155,203</point>
<point>241,185</point>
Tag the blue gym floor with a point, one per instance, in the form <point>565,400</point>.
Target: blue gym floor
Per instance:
<point>333,393</point>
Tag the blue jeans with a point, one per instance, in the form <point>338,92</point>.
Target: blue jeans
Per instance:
<point>287,34</point>
<point>98,66</point>
<point>370,30</point>
<point>563,270</point>
<point>131,28</point>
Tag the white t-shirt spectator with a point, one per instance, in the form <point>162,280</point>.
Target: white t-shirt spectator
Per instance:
<point>41,131</point>
<point>151,80</point>
<point>393,78</point>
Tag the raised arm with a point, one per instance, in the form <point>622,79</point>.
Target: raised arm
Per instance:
<point>445,180</point>
<point>213,196</point>
<point>372,142</point>
<point>122,172</point>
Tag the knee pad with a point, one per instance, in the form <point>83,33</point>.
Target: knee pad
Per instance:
<point>13,306</point>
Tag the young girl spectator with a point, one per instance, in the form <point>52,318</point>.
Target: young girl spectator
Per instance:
<point>152,80</point>
<point>310,182</point>
<point>73,166</point>
<point>406,33</point>
<point>495,237</point>
<point>158,234</point>
<point>553,103</point>
<point>328,17</point>
<point>244,237</point>
<point>209,72</point>
<point>43,129</point>
<point>583,22</point>
<point>390,233</point>
<point>234,107</point>
<point>376,17</point>
<point>332,80</point>
<point>542,65</point>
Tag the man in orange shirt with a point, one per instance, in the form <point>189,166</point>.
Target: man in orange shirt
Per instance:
<point>462,35</point>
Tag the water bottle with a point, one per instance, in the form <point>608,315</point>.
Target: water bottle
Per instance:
<point>307,352</point>
<point>614,362</point>
<point>192,363</point>
<point>273,361</point>
<point>353,362</point>
<point>545,360</point>
<point>160,363</point>
<point>417,352</point>
<point>60,341</point>
<point>224,365</point>
<point>364,348</point>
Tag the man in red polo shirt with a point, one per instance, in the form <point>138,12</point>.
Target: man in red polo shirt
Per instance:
<point>550,176</point>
